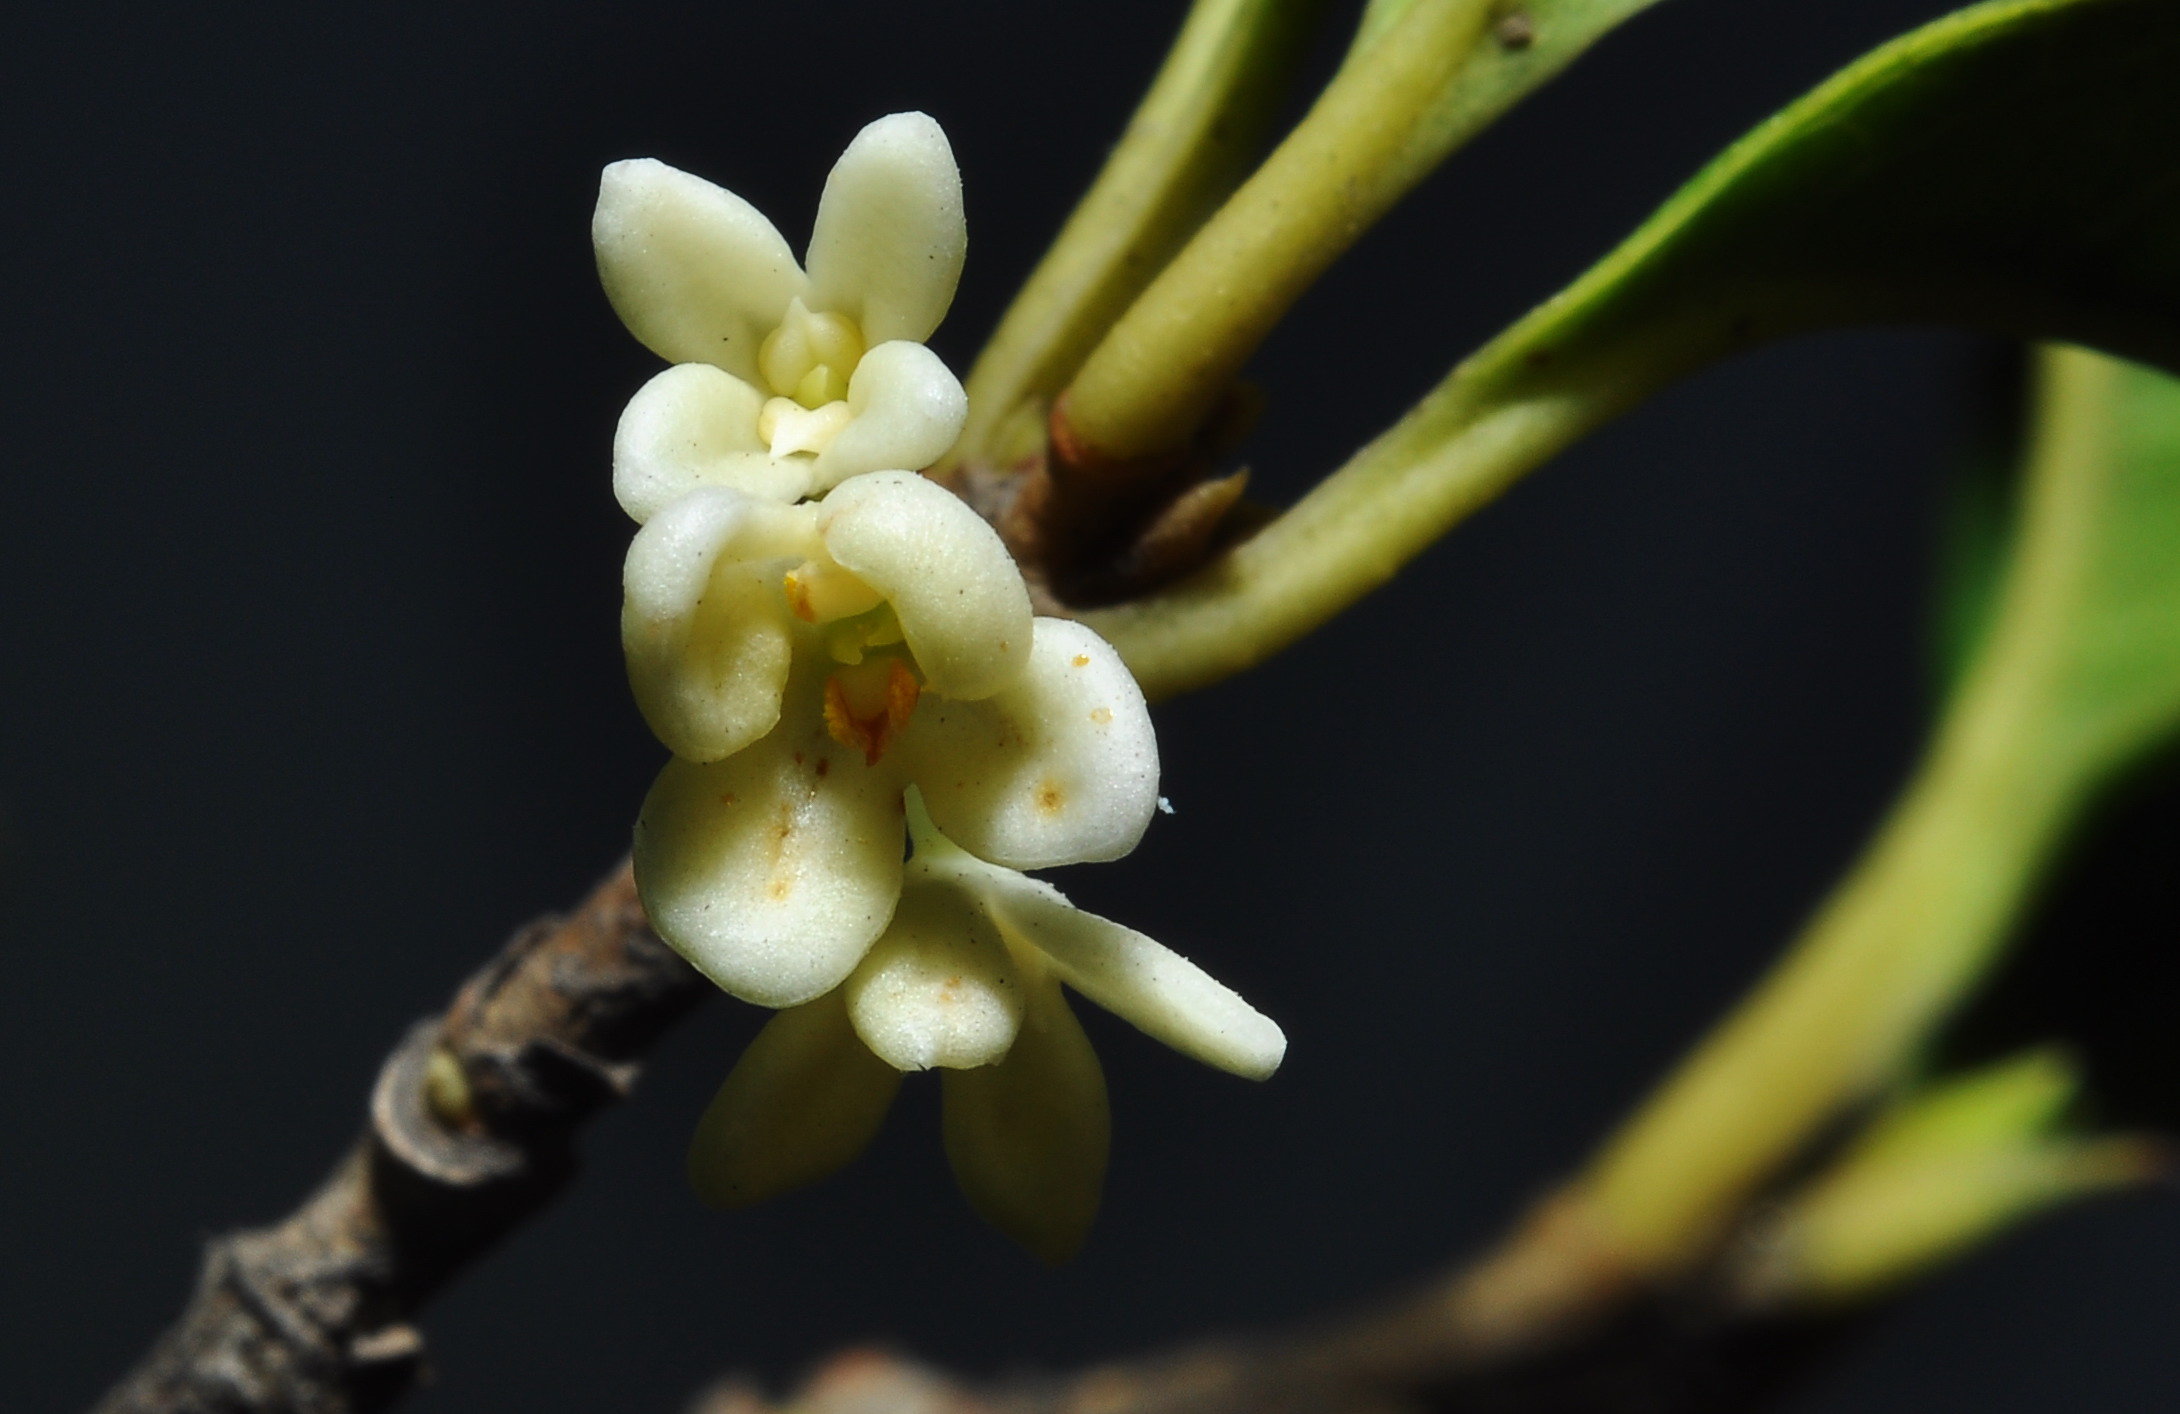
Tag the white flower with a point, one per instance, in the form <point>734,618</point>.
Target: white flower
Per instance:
<point>786,383</point>
<point>841,655</point>
<point>967,979</point>
<point>808,664</point>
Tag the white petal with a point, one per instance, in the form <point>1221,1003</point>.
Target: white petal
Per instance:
<point>907,409</point>
<point>939,989</point>
<point>1028,1138</point>
<point>774,870</point>
<point>953,586</point>
<point>704,622</point>
<point>1147,985</point>
<point>695,272</point>
<point>696,425</point>
<point>889,240</point>
<point>1060,767</point>
<point>804,1100</point>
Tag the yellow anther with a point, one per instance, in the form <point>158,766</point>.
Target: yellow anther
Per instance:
<point>866,706</point>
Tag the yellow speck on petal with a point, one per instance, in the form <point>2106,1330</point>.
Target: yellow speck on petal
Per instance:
<point>1050,798</point>
<point>1101,715</point>
<point>1082,660</point>
<point>782,882</point>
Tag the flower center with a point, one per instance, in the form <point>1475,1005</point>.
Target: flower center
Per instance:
<point>855,617</point>
<point>866,705</point>
<point>820,592</point>
<point>808,362</point>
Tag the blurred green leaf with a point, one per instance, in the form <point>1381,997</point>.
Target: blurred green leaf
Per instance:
<point>1973,538</point>
<point>1942,1169</point>
<point>1978,517</point>
<point>2093,602</point>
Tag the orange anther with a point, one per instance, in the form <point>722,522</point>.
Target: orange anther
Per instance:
<point>866,725</point>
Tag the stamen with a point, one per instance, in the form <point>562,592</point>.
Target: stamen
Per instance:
<point>821,593</point>
<point>847,640</point>
<point>821,385</point>
<point>787,427</point>
<point>866,706</point>
<point>805,343</point>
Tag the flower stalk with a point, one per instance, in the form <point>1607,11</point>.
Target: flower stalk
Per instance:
<point>1498,416</point>
<point>1185,149</point>
<point>1162,370</point>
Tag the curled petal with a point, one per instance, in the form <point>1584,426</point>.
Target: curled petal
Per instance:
<point>696,425</point>
<point>1059,767</point>
<point>703,622</point>
<point>889,240</point>
<point>805,1099</point>
<point>774,870</point>
<point>953,586</point>
<point>1028,1138</point>
<point>939,989</point>
<point>695,272</point>
<point>906,407</point>
<point>1149,986</point>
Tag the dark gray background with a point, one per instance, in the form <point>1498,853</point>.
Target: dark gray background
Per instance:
<point>308,586</point>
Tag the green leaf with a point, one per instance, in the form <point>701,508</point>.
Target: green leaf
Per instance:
<point>1942,1169</point>
<point>2089,622</point>
<point>1974,536</point>
<point>1979,518</point>
<point>2011,167</point>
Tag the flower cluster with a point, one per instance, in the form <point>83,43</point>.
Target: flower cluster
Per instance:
<point>842,658</point>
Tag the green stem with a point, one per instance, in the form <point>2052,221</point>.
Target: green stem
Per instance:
<point>1188,145</point>
<point>1161,370</point>
<point>1913,925</point>
<point>1493,419</point>
<point>1921,917</point>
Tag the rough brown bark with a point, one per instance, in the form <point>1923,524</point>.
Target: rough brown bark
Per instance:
<point>472,1129</point>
